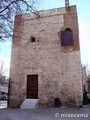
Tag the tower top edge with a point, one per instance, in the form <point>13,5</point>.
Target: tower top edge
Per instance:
<point>48,12</point>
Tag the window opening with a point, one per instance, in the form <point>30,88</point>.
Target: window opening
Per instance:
<point>67,37</point>
<point>32,39</point>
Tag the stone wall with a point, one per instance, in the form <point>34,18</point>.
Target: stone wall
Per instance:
<point>58,68</point>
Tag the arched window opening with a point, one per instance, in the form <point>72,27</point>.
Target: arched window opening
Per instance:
<point>67,37</point>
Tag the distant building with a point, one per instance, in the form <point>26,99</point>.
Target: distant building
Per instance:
<point>4,84</point>
<point>86,80</point>
<point>89,77</point>
<point>45,60</point>
<point>2,79</point>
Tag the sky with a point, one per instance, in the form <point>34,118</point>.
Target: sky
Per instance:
<point>83,8</point>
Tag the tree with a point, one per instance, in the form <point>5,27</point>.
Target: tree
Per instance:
<point>8,10</point>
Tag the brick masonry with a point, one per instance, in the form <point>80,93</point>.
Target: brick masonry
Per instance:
<point>58,68</point>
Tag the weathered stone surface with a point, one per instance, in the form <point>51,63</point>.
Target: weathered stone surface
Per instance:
<point>58,68</point>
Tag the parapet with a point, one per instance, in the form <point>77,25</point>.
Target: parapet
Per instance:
<point>46,13</point>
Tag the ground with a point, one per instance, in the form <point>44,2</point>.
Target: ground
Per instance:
<point>62,113</point>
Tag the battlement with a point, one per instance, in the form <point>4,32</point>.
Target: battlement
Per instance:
<point>46,13</point>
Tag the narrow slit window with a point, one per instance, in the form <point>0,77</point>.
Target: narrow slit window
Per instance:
<point>67,37</point>
<point>32,39</point>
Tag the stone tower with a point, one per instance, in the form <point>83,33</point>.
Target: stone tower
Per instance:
<point>45,59</point>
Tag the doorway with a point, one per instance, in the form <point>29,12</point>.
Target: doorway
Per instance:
<point>32,86</point>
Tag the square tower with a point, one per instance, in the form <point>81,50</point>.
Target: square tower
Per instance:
<point>45,59</point>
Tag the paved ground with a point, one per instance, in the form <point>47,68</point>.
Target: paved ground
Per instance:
<point>62,113</point>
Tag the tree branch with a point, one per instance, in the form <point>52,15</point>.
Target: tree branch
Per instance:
<point>10,8</point>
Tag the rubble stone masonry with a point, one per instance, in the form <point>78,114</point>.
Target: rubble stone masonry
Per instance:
<point>58,68</point>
